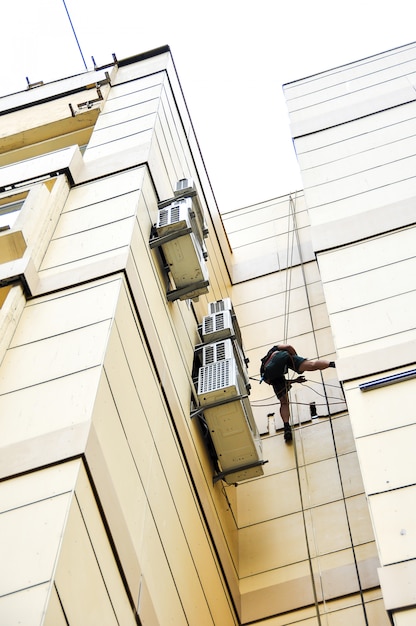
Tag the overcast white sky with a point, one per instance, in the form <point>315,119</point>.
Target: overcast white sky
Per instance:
<point>232,57</point>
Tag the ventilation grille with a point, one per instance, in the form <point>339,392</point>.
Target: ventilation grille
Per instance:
<point>169,215</point>
<point>217,326</point>
<point>219,305</point>
<point>217,352</point>
<point>216,376</point>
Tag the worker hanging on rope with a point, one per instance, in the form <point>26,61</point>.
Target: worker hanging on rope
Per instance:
<point>273,368</point>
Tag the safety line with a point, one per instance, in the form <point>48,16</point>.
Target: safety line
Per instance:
<point>75,35</point>
<point>293,207</point>
<point>289,266</point>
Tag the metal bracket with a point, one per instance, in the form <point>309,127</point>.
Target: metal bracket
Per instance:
<point>201,409</point>
<point>183,291</point>
<point>155,242</point>
<point>240,468</point>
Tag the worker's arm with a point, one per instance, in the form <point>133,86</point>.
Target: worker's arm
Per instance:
<point>287,348</point>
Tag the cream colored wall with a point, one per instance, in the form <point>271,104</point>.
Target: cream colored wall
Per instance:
<point>309,511</point>
<point>357,163</point>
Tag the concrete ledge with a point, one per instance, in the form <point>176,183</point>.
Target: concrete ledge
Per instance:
<point>375,361</point>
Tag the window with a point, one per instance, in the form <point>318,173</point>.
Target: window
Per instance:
<point>9,210</point>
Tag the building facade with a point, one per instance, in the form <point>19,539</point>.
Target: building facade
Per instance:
<point>144,474</point>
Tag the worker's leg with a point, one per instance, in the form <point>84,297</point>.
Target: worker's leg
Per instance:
<point>312,365</point>
<point>284,408</point>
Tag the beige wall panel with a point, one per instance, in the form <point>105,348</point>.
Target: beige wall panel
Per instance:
<point>79,579</point>
<point>250,312</point>
<point>373,285</point>
<point>117,479</point>
<point>335,575</point>
<point>346,617</point>
<point>376,411</point>
<point>164,152</point>
<point>102,550</point>
<point>272,544</point>
<point>368,563</point>
<point>394,174</point>
<point>387,459</point>
<point>320,483</point>
<point>26,608</point>
<point>314,443</point>
<point>27,488</point>
<point>376,320</point>
<point>82,246</point>
<point>404,618</point>
<point>394,518</point>
<point>136,127</point>
<point>359,519</point>
<point>96,215</point>
<point>395,347</point>
<point>104,189</point>
<point>344,438</point>
<point>328,528</point>
<point>263,500</point>
<point>159,579</point>
<point>143,88</point>
<point>126,152</point>
<point>263,286</point>
<point>171,138</point>
<point>280,456</point>
<point>359,135</point>
<point>353,93</point>
<point>352,482</point>
<point>357,76</point>
<point>10,313</point>
<point>355,166</point>
<point>54,357</point>
<point>397,583</point>
<point>54,614</point>
<point>65,311</point>
<point>347,205</point>
<point>377,614</point>
<point>265,593</point>
<point>31,537</point>
<point>138,399</point>
<point>124,111</point>
<point>46,422</point>
<point>145,605</point>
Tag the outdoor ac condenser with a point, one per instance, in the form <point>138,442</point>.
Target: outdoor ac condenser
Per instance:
<point>217,326</point>
<point>226,305</point>
<point>181,249</point>
<point>230,421</point>
<point>227,349</point>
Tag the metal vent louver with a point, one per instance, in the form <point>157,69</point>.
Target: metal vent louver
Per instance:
<point>216,376</point>
<point>217,351</point>
<point>174,216</point>
<point>219,305</point>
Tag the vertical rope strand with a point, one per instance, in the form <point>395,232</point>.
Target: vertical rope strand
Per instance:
<point>75,35</point>
<point>289,265</point>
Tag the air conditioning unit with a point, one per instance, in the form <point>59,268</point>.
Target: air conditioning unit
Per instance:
<point>227,349</point>
<point>217,326</point>
<point>220,305</point>
<point>174,216</point>
<point>230,421</point>
<point>226,305</point>
<point>181,249</point>
<point>186,187</point>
